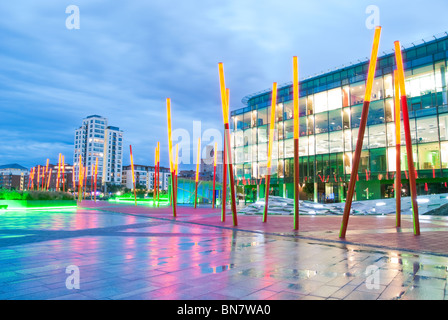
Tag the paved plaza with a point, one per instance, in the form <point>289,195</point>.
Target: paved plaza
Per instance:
<point>127,252</point>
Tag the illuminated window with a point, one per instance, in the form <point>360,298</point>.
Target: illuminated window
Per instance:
<point>334,99</point>
<point>321,102</point>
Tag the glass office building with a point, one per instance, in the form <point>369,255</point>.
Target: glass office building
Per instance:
<point>330,108</point>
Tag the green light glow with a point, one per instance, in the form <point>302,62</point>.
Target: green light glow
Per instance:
<point>39,208</point>
<point>149,202</point>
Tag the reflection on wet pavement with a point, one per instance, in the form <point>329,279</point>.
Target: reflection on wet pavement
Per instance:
<point>130,257</point>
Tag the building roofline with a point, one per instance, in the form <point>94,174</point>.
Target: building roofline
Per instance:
<point>387,53</point>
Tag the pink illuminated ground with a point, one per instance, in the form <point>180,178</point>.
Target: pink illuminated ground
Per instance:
<point>128,252</point>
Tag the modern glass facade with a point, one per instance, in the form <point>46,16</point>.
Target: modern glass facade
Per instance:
<point>330,110</point>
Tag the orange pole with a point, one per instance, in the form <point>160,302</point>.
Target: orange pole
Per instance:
<point>43,178</point>
<point>133,175</point>
<point>45,175</point>
<point>59,173</point>
<point>270,143</point>
<point>224,171</point>
<point>31,177</point>
<point>63,174</point>
<point>154,177</point>
<point>80,179</point>
<point>362,127</point>
<point>198,160</point>
<point>170,152</point>
<point>225,111</point>
<point>48,179</point>
<point>176,168</point>
<point>38,177</point>
<point>295,91</point>
<point>158,174</point>
<point>407,131</point>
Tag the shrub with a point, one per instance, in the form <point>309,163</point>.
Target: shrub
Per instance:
<point>6,194</point>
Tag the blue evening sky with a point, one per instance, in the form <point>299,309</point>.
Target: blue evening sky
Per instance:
<point>128,56</point>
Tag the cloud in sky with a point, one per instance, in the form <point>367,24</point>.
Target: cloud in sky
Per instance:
<point>127,57</point>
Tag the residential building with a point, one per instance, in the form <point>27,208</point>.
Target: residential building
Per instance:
<point>13,176</point>
<point>96,140</point>
<point>144,176</point>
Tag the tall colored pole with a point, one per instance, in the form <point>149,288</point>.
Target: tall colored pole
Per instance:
<point>59,173</point>
<point>176,168</point>
<point>96,177</point>
<point>154,177</point>
<point>215,153</point>
<point>397,149</point>
<point>48,178</point>
<point>45,175</point>
<point>270,143</point>
<point>228,155</point>
<point>32,179</point>
<point>198,160</point>
<point>80,179</point>
<point>63,173</point>
<point>84,182</point>
<point>73,181</point>
<point>362,128</point>
<point>158,173</point>
<point>133,174</point>
<point>295,91</point>
<point>47,184</point>
<point>407,131</point>
<point>38,177</point>
<point>92,178</point>
<point>224,172</point>
<point>170,151</point>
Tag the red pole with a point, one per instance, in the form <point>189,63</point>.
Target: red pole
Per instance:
<point>232,177</point>
<point>224,182</point>
<point>397,150</point>
<point>407,131</point>
<point>266,195</point>
<point>215,154</point>
<point>362,128</point>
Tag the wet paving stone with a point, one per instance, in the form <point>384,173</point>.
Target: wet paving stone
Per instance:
<point>121,255</point>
